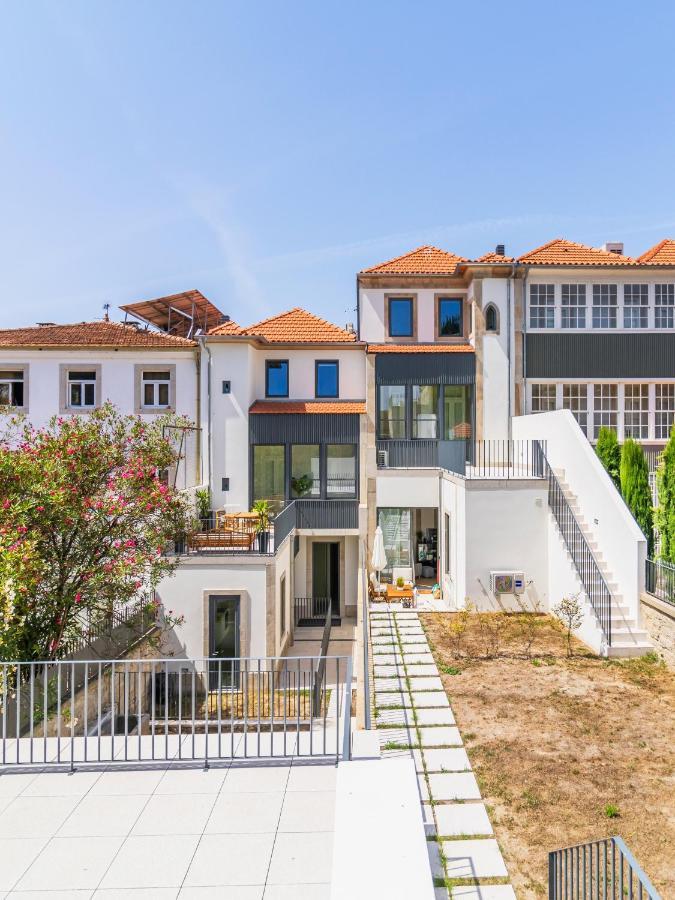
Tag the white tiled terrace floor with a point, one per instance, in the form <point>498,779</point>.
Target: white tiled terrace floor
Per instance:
<point>414,718</point>
<point>239,832</point>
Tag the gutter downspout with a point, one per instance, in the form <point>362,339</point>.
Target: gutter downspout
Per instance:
<point>508,343</point>
<point>198,460</point>
<point>208,409</point>
<point>525,317</point>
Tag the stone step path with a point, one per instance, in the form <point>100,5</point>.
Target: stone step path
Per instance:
<point>413,717</point>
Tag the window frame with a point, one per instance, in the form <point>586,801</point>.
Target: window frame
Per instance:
<point>610,309</point>
<point>638,415</point>
<point>630,307</point>
<point>491,307</point>
<point>326,362</point>
<point>412,300</point>
<point>664,410</point>
<point>450,298</point>
<point>325,494</point>
<point>139,392</point>
<point>576,402</point>
<point>65,370</point>
<point>23,369</point>
<point>276,362</point>
<point>664,305</point>
<point>547,308</point>
<point>573,306</point>
<point>550,388</point>
<point>607,392</point>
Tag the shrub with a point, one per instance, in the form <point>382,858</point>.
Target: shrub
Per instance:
<point>570,614</point>
<point>609,453</point>
<point>665,512</point>
<point>611,811</point>
<point>634,474</point>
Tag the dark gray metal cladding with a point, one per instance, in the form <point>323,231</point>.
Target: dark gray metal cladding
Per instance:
<point>623,355</point>
<point>304,428</point>
<point>425,368</point>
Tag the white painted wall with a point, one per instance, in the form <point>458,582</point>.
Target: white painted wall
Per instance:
<point>371,311</point>
<point>410,487</point>
<point>496,377</point>
<point>301,371</point>
<point>453,584</point>
<point>619,539</point>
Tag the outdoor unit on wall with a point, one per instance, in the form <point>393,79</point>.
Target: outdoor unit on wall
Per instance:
<point>382,459</point>
<point>507,582</point>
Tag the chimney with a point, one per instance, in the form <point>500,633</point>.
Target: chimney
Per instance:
<point>350,327</point>
<point>613,247</point>
<point>500,250</point>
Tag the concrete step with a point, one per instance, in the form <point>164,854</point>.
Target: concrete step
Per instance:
<point>625,634</point>
<point>627,650</point>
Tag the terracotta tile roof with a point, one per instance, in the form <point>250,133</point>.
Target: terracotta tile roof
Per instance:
<point>493,257</point>
<point>308,406</point>
<point>297,326</point>
<point>227,328</point>
<point>420,348</point>
<point>422,261</point>
<point>90,334</point>
<point>662,254</point>
<point>560,252</point>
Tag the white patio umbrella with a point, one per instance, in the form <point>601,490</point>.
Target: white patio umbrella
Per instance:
<point>379,558</point>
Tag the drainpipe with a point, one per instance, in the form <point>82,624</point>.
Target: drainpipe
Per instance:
<point>202,340</point>
<point>508,343</point>
<point>525,314</point>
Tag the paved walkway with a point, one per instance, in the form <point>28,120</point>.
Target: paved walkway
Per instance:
<point>242,832</point>
<point>413,717</point>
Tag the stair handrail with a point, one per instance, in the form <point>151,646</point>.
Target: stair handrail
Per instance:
<point>588,570</point>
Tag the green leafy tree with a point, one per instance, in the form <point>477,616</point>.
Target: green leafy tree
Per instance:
<point>609,452</point>
<point>634,474</point>
<point>84,520</point>
<point>665,511</point>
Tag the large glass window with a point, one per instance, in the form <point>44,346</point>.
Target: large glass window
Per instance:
<point>305,471</point>
<point>604,306</point>
<point>392,411</point>
<point>635,305</point>
<point>449,317</point>
<point>542,306</point>
<point>573,313</point>
<point>456,412</point>
<point>81,390</point>
<point>395,524</point>
<point>327,380</point>
<point>340,470</point>
<point>636,411</point>
<point>269,474</point>
<point>665,410</point>
<point>11,387</point>
<point>575,398</point>
<point>665,306</point>
<point>605,407</point>
<point>425,411</point>
<point>400,317</point>
<point>276,378</point>
<point>543,398</point>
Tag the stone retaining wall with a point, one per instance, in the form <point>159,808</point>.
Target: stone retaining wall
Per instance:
<point>658,618</point>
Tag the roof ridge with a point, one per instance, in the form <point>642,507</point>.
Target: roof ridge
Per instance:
<point>651,252</point>
<point>411,254</point>
<point>565,244</point>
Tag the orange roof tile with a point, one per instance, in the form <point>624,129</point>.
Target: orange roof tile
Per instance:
<point>91,334</point>
<point>420,348</point>
<point>560,252</point>
<point>297,326</point>
<point>422,261</point>
<point>228,327</point>
<point>493,257</point>
<point>662,254</point>
<point>308,406</point>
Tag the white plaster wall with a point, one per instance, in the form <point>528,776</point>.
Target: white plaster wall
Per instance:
<point>506,529</point>
<point>371,311</point>
<point>283,567</point>
<point>301,371</point>
<point>619,539</point>
<point>184,594</point>
<point>453,503</point>
<point>496,378</point>
<point>412,487</point>
<point>351,571</point>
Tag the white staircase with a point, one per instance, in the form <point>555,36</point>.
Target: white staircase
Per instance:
<point>627,638</point>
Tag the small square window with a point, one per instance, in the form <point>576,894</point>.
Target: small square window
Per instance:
<point>81,390</point>
<point>400,317</point>
<point>11,387</point>
<point>276,378</point>
<point>449,317</point>
<point>327,378</point>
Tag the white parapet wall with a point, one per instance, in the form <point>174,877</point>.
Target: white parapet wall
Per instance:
<point>619,539</point>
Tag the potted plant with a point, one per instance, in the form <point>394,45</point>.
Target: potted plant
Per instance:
<point>204,513</point>
<point>262,526</point>
<point>400,583</point>
<point>302,485</point>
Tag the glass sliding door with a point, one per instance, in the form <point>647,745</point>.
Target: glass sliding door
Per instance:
<point>395,523</point>
<point>224,648</point>
<point>456,412</point>
<point>269,474</point>
<point>425,411</point>
<point>340,470</point>
<point>305,471</point>
<point>392,412</point>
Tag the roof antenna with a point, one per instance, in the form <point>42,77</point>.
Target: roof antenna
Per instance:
<point>106,307</point>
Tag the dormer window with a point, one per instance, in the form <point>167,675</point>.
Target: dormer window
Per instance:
<point>276,378</point>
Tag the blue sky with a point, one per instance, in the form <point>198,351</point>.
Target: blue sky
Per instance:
<point>264,152</point>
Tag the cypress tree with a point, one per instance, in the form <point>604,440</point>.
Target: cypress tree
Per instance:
<point>665,511</point>
<point>609,453</point>
<point>634,474</point>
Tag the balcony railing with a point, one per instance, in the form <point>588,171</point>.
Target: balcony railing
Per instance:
<point>422,454</point>
<point>469,459</point>
<point>315,514</point>
<point>660,580</point>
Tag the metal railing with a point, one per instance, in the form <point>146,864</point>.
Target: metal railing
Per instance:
<point>311,611</point>
<point>470,459</point>
<point>79,712</point>
<point>141,613</point>
<point>598,869</point>
<point>326,514</point>
<point>660,580</point>
<point>505,459</point>
<point>589,573</point>
<point>320,681</point>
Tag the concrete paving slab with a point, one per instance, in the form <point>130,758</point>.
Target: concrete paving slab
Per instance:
<point>421,670</point>
<point>389,684</point>
<point>429,699</point>
<point>483,892</point>
<point>454,786</point>
<point>413,659</point>
<point>435,717</point>
<point>393,698</point>
<point>425,684</point>
<point>452,759</point>
<point>473,859</point>
<point>462,819</point>
<point>423,788</point>
<point>394,717</point>
<point>415,639</point>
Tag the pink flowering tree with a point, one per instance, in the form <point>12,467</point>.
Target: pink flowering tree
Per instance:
<point>84,521</point>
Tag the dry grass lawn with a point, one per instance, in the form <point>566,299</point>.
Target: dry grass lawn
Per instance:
<point>556,742</point>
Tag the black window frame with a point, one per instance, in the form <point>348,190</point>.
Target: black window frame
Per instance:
<point>411,306</point>
<point>327,362</point>
<point>323,467</point>
<point>449,299</point>
<point>276,362</point>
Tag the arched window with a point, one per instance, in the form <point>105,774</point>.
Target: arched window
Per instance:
<point>491,319</point>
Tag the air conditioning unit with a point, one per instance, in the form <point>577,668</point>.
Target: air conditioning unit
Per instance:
<point>382,459</point>
<point>507,582</point>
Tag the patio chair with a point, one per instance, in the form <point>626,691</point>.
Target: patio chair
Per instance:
<point>404,572</point>
<point>375,589</point>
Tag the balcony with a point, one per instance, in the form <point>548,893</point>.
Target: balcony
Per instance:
<point>341,515</point>
<point>468,459</point>
<point>422,454</point>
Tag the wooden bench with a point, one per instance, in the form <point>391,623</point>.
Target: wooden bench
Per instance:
<point>221,539</point>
